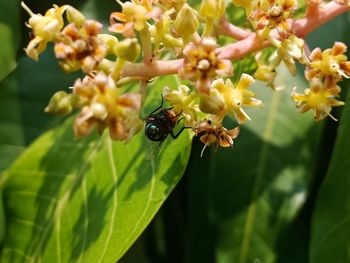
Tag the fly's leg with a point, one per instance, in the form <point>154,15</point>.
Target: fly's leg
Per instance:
<point>161,105</point>
<point>179,132</point>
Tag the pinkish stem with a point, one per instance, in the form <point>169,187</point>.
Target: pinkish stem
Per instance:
<point>230,30</point>
<point>302,27</point>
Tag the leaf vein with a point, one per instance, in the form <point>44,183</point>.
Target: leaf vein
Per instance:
<point>248,228</point>
<point>63,200</point>
<point>115,197</point>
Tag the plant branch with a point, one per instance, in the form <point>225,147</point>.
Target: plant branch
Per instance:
<point>226,28</point>
<point>302,27</point>
<point>148,71</point>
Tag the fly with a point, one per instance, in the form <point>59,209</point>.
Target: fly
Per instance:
<point>160,123</point>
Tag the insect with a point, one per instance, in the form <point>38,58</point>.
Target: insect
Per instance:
<point>160,123</point>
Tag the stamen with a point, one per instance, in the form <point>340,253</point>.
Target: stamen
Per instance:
<point>25,7</point>
<point>205,146</point>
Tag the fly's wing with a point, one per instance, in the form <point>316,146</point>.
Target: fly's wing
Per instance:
<point>153,149</point>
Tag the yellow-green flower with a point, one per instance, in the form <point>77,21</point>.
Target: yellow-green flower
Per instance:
<point>319,97</point>
<point>161,33</point>
<point>45,29</point>
<point>183,102</point>
<point>239,96</point>
<point>133,17</point>
<point>332,62</point>
<point>235,97</point>
<point>266,69</point>
<point>292,48</point>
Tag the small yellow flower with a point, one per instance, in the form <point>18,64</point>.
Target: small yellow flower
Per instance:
<point>202,65</point>
<point>133,17</point>
<point>161,32</point>
<point>45,29</point>
<point>237,97</point>
<point>332,62</point>
<point>266,69</point>
<point>183,101</point>
<point>292,48</point>
<point>319,97</point>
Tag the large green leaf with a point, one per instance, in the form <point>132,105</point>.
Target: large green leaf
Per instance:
<point>242,199</point>
<point>86,201</point>
<point>9,28</point>
<point>23,97</point>
<point>330,236</point>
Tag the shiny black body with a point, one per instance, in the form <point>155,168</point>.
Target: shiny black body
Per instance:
<point>160,123</point>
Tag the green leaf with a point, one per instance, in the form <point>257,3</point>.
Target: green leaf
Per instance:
<point>70,200</point>
<point>9,28</point>
<point>330,236</point>
<point>242,199</point>
<point>23,97</point>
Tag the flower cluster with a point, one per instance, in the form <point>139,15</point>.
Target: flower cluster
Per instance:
<point>144,33</point>
<point>103,107</point>
<point>325,70</point>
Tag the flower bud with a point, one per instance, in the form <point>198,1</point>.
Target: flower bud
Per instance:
<point>214,103</point>
<point>128,49</point>
<point>186,22</point>
<point>60,103</point>
<point>212,8</point>
<point>74,16</point>
<point>110,41</point>
<point>207,9</point>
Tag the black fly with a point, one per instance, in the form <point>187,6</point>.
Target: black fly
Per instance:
<point>160,123</point>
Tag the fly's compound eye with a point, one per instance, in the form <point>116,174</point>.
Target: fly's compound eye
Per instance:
<point>153,132</point>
